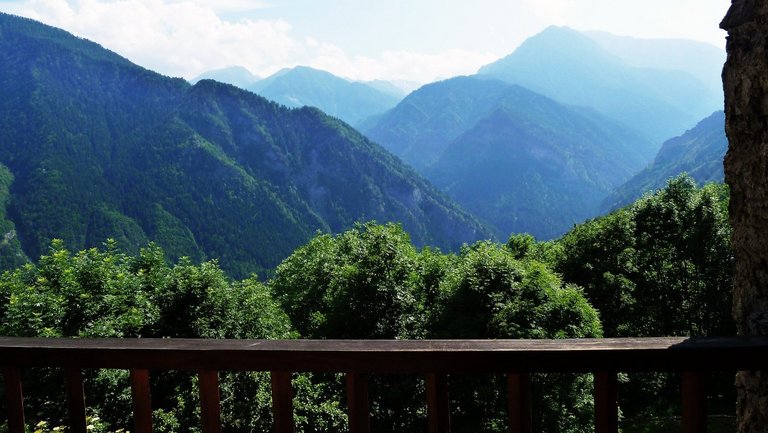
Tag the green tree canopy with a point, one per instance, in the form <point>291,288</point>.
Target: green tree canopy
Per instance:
<point>661,266</point>
<point>360,284</point>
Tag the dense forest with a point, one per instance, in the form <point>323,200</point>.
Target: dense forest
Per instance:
<point>661,266</point>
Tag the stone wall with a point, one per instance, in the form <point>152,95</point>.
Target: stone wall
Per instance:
<point>745,81</point>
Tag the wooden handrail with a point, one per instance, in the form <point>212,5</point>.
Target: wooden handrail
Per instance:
<point>359,358</point>
<point>392,356</point>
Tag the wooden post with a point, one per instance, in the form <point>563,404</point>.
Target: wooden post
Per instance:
<point>282,402</point>
<point>14,399</point>
<point>210,405</point>
<point>606,406</point>
<point>438,405</point>
<point>519,402</point>
<point>142,401</point>
<point>694,403</point>
<point>357,402</point>
<point>76,399</point>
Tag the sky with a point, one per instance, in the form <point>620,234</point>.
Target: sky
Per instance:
<point>412,40</point>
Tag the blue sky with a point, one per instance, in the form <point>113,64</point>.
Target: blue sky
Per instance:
<point>417,40</point>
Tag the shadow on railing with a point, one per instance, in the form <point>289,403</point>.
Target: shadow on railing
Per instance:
<point>360,358</point>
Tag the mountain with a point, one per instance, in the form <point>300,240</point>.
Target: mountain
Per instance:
<point>699,152</point>
<point>572,68</point>
<point>518,160</point>
<point>234,75</point>
<point>348,100</point>
<point>397,89</point>
<point>702,60</point>
<point>98,147</point>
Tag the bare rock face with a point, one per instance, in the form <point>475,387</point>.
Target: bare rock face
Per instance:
<point>745,80</point>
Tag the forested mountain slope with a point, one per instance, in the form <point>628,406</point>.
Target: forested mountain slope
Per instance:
<point>699,152</point>
<point>99,147</point>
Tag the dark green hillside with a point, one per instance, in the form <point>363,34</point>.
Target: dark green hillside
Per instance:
<point>516,159</point>
<point>699,152</point>
<point>572,68</point>
<point>305,86</point>
<point>99,147</point>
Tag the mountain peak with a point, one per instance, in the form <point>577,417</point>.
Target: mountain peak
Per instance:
<point>350,101</point>
<point>235,75</point>
<point>573,68</point>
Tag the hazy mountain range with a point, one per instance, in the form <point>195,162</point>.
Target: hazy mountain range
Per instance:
<point>350,101</point>
<point>573,68</point>
<point>518,160</point>
<point>93,146</point>
<point>522,165</point>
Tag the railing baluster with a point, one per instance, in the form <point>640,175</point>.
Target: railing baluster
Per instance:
<point>694,403</point>
<point>282,402</point>
<point>519,402</point>
<point>357,400</point>
<point>438,405</point>
<point>606,406</point>
<point>14,399</point>
<point>210,404</point>
<point>76,399</point>
<point>142,401</point>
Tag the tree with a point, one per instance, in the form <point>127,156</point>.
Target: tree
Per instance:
<point>359,284</point>
<point>105,293</point>
<point>490,293</point>
<point>661,266</point>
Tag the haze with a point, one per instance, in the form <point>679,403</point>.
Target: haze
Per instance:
<point>419,41</point>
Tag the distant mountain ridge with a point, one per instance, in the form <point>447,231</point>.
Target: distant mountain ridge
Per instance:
<point>573,68</point>
<point>234,75</point>
<point>698,152</point>
<point>93,146</point>
<point>348,100</point>
<point>518,160</point>
<point>702,60</point>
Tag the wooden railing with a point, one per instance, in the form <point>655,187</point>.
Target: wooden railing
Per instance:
<point>435,359</point>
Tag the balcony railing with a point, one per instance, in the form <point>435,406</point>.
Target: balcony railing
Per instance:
<point>435,359</point>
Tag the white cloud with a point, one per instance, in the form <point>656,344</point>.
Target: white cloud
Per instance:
<point>228,5</point>
<point>186,37</point>
<point>180,38</point>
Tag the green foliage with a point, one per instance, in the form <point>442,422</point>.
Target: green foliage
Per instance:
<point>360,284</point>
<point>370,282</point>
<point>659,267</point>
<point>490,293</point>
<point>106,293</point>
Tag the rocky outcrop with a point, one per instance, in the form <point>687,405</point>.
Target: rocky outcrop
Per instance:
<point>745,80</point>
